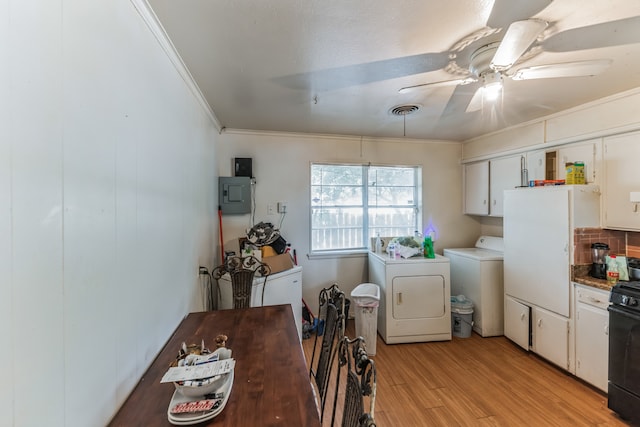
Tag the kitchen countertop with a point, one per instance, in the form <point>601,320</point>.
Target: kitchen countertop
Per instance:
<point>580,274</point>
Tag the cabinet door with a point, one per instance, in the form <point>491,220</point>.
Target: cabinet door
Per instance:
<point>516,322</point>
<point>621,177</point>
<point>536,165</point>
<point>551,336</point>
<point>581,151</point>
<point>592,345</point>
<point>504,174</point>
<point>476,188</point>
<point>418,297</point>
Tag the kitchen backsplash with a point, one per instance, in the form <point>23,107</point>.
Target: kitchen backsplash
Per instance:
<point>633,245</point>
<point>620,243</point>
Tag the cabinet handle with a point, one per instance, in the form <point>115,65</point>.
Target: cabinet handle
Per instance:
<point>399,297</point>
<point>522,316</point>
<point>484,202</point>
<point>494,202</point>
<point>606,330</point>
<point>596,300</point>
<point>539,323</point>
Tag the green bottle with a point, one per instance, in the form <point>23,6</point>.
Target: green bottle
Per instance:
<point>427,247</point>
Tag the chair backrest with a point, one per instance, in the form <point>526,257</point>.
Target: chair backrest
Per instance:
<point>331,321</point>
<point>360,374</point>
<point>242,271</point>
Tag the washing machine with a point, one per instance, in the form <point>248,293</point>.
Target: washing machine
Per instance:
<point>415,298</point>
<point>477,273</point>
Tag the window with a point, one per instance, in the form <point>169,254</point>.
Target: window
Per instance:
<point>352,203</point>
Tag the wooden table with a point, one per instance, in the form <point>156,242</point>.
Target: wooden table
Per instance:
<point>271,385</point>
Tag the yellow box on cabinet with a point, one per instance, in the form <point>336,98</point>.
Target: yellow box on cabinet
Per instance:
<point>575,173</point>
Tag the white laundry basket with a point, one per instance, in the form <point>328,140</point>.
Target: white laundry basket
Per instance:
<point>366,297</point>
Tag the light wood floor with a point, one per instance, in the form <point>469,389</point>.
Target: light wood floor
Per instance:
<point>477,382</point>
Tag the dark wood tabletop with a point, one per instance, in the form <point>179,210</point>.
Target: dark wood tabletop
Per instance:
<point>271,385</point>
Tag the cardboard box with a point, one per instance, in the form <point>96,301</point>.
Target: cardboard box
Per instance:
<point>279,263</point>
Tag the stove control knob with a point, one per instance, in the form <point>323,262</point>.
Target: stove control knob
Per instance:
<point>624,300</point>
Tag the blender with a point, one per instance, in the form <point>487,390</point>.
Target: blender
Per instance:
<point>599,252</point>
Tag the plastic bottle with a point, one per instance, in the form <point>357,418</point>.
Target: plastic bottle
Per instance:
<point>378,243</point>
<point>612,270</point>
<point>417,236</point>
<point>428,247</point>
<point>391,249</point>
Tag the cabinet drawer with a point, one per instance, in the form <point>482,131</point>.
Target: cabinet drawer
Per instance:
<point>591,296</point>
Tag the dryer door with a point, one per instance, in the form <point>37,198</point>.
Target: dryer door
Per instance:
<point>418,297</point>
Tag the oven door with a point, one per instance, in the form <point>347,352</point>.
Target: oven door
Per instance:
<point>624,354</point>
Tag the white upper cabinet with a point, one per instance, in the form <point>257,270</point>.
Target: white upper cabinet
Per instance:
<point>485,182</point>
<point>536,165</point>
<point>504,174</point>
<point>621,154</point>
<point>476,188</point>
<point>586,151</point>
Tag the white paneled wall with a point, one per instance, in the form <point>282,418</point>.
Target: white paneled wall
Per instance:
<point>107,207</point>
<point>6,290</point>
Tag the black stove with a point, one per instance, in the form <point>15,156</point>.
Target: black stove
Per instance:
<point>627,295</point>
<point>624,350</point>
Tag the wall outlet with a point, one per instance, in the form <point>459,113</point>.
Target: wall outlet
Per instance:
<point>282,207</point>
<point>271,209</point>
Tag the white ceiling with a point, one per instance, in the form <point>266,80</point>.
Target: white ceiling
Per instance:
<point>335,66</point>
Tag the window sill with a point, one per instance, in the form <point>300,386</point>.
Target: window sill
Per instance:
<point>352,253</point>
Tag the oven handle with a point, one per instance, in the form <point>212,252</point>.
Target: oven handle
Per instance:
<point>623,312</point>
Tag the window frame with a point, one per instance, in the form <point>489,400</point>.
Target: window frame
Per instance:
<point>366,239</point>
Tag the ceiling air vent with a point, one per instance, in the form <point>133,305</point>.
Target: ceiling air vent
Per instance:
<point>403,110</point>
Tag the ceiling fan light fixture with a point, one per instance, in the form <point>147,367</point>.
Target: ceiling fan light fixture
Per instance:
<point>492,87</point>
<point>492,91</point>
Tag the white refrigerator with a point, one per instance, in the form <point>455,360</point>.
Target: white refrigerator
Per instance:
<point>539,223</point>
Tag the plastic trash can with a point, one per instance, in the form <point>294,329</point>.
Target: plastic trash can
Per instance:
<point>461,316</point>
<point>366,297</point>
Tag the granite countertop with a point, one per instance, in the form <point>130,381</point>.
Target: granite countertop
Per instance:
<point>580,274</point>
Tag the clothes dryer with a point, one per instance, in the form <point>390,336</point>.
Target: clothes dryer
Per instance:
<point>415,298</point>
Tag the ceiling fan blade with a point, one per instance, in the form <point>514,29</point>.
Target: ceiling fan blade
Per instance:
<point>567,69</point>
<point>518,38</point>
<point>476,102</point>
<point>606,34</point>
<point>359,74</point>
<point>505,12</point>
<point>460,99</point>
<point>453,82</point>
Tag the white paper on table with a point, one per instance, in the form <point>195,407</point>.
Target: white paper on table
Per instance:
<point>206,370</point>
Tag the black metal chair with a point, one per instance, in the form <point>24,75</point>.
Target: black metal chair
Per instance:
<point>360,374</point>
<point>242,271</point>
<point>329,332</point>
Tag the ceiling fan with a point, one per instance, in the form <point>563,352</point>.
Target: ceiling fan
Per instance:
<point>485,56</point>
<point>491,63</point>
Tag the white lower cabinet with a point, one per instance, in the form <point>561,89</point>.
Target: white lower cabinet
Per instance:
<point>542,331</point>
<point>592,335</point>
<point>550,336</point>
<point>516,322</point>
